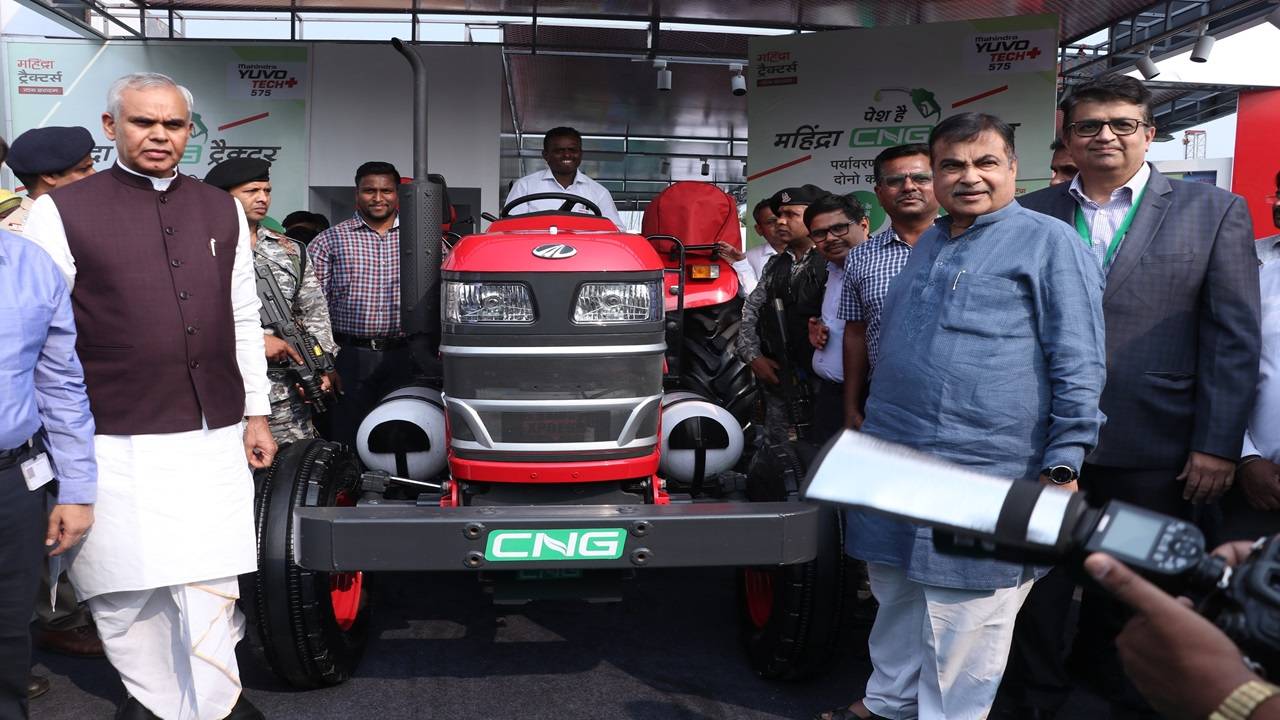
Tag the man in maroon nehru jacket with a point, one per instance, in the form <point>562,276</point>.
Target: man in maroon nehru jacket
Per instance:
<point>167,313</point>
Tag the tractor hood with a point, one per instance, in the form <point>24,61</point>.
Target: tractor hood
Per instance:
<point>554,248</point>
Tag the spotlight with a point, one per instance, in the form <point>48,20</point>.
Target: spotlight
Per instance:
<point>1148,67</point>
<point>738,83</point>
<point>706,167</point>
<point>664,75</point>
<point>1204,46</point>
<point>1274,17</point>
<point>665,166</point>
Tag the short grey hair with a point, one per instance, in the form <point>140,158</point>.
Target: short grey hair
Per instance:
<point>142,81</point>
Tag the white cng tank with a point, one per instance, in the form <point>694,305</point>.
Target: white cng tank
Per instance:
<point>692,424</point>
<point>405,434</point>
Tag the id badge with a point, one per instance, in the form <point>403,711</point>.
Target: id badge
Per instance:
<point>37,471</point>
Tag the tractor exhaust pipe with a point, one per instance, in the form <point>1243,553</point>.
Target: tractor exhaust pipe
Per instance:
<point>421,211</point>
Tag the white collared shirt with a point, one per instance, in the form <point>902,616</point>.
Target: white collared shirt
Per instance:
<point>1103,219</point>
<point>1268,249</point>
<point>1262,436</point>
<point>544,181</point>
<point>749,268</point>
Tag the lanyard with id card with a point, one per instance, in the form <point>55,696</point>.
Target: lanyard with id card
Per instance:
<point>37,471</point>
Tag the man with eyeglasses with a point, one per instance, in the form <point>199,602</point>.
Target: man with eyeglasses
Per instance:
<point>797,277</point>
<point>904,188</point>
<point>750,264</point>
<point>837,223</point>
<point>1182,340</point>
<point>1062,167</point>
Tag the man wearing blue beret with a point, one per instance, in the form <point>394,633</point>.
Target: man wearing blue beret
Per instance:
<point>44,159</point>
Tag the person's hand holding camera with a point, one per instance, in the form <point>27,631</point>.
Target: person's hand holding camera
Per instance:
<point>1180,662</point>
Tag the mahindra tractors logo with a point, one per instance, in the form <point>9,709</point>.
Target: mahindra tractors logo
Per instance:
<point>555,251</point>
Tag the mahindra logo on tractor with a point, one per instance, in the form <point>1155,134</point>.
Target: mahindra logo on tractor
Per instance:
<point>555,251</point>
<point>596,544</point>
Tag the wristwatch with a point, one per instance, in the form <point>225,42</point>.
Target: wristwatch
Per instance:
<point>1242,701</point>
<point>1061,474</point>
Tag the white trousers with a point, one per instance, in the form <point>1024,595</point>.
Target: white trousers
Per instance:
<point>937,653</point>
<point>174,646</point>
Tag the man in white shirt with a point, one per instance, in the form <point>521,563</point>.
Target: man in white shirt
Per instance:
<point>1269,247</point>
<point>562,149</point>
<point>1252,508</point>
<point>837,224</point>
<point>750,264</point>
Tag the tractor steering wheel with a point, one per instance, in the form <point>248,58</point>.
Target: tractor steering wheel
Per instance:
<point>570,200</point>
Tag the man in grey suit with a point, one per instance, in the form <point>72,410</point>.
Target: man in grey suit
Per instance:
<point>1182,326</point>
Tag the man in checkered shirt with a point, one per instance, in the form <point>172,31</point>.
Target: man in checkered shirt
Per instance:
<point>357,263</point>
<point>904,188</point>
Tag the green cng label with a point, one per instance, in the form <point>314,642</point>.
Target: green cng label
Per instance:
<point>593,544</point>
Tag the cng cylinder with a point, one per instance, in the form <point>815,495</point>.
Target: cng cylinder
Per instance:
<point>699,438</point>
<point>405,434</point>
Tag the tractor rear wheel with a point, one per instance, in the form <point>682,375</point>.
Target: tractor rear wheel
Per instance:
<point>312,625</point>
<point>709,367</point>
<point>796,619</point>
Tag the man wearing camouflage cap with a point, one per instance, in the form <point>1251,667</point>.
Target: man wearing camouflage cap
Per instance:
<point>248,181</point>
<point>797,277</point>
<point>44,159</point>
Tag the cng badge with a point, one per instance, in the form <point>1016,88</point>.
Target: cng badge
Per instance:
<point>593,544</point>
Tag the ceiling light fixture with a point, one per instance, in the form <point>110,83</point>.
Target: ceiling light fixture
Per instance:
<point>1148,67</point>
<point>738,83</point>
<point>1204,46</point>
<point>664,75</point>
<point>706,167</point>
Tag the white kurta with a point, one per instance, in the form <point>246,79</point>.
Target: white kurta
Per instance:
<point>172,508</point>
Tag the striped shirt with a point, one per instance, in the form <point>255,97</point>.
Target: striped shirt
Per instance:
<point>359,271</point>
<point>1103,219</point>
<point>867,272</point>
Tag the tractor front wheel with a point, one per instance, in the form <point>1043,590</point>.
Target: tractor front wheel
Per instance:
<point>312,625</point>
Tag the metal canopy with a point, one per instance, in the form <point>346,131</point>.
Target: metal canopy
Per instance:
<point>601,79</point>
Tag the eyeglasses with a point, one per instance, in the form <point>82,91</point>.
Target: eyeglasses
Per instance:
<point>898,181</point>
<point>838,230</point>
<point>1119,126</point>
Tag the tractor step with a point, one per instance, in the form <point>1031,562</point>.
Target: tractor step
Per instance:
<point>405,537</point>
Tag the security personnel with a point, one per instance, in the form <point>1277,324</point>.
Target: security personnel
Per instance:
<point>249,181</point>
<point>797,277</point>
<point>45,159</point>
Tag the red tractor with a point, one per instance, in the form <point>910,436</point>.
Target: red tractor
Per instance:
<point>579,420</point>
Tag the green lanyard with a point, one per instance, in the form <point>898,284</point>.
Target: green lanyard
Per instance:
<point>1082,227</point>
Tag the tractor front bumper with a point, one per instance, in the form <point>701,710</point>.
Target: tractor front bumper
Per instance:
<point>407,537</point>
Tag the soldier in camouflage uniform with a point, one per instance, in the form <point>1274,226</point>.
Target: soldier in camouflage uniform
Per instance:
<point>797,275</point>
<point>248,181</point>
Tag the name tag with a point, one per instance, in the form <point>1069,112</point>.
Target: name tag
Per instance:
<point>37,471</point>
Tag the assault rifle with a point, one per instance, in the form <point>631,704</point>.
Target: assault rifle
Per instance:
<point>277,315</point>
<point>796,393</point>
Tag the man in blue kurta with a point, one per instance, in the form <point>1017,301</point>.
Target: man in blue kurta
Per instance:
<point>991,357</point>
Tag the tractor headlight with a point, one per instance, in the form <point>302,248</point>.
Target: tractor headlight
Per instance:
<point>621,302</point>
<point>467,302</point>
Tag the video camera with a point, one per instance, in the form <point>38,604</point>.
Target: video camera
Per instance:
<point>975,514</point>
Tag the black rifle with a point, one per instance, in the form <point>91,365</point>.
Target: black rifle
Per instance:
<point>277,315</point>
<point>794,391</point>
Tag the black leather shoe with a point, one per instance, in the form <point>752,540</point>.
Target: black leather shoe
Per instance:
<point>37,685</point>
<point>131,709</point>
<point>244,710</point>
